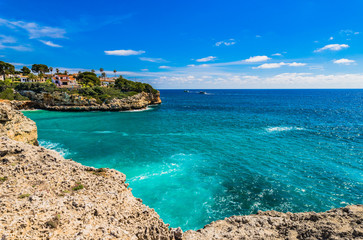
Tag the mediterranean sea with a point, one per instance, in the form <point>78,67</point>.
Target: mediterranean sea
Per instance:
<point>197,158</point>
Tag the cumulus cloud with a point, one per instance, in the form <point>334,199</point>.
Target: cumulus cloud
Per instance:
<point>226,43</point>
<point>332,47</point>
<point>155,60</point>
<point>164,67</point>
<point>206,59</point>
<point>124,52</point>
<point>278,65</point>
<point>344,61</point>
<point>34,30</point>
<point>257,59</point>
<point>50,44</point>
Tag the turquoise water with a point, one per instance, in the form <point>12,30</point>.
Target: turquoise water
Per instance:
<point>198,158</point>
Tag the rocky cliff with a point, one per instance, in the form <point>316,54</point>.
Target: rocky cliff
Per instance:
<point>62,101</point>
<point>15,125</point>
<point>44,196</point>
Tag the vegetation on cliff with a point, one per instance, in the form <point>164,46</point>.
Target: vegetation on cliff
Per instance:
<point>88,84</point>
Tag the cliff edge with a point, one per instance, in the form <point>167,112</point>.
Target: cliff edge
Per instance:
<point>44,196</point>
<point>15,125</point>
<point>63,101</point>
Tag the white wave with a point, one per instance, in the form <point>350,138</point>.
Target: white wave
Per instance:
<point>104,132</point>
<point>148,108</point>
<point>283,129</point>
<point>55,147</point>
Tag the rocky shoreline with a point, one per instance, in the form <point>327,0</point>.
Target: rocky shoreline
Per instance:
<point>62,101</point>
<point>44,196</point>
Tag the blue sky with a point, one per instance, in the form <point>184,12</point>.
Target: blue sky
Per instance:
<point>192,44</point>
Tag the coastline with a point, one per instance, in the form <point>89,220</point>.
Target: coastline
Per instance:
<point>104,192</point>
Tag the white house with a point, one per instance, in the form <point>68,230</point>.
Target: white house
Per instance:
<point>64,81</point>
<point>24,78</point>
<point>107,81</point>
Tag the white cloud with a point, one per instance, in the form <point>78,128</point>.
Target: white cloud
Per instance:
<point>278,65</point>
<point>9,42</point>
<point>332,47</point>
<point>206,59</point>
<point>258,36</point>
<point>145,70</point>
<point>276,54</point>
<point>269,65</point>
<point>331,38</point>
<point>226,43</point>
<point>344,61</point>
<point>124,52</point>
<point>50,44</point>
<point>295,64</point>
<point>164,67</point>
<point>155,60</point>
<point>20,64</point>
<point>7,39</point>
<point>257,59</point>
<point>35,30</point>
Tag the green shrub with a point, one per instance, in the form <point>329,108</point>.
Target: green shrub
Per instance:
<point>24,195</point>
<point>77,187</point>
<point>3,179</point>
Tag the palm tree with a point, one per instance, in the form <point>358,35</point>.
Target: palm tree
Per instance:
<point>103,75</point>
<point>32,77</point>
<point>57,70</point>
<point>66,72</point>
<point>93,71</point>
<point>114,71</point>
<point>51,70</point>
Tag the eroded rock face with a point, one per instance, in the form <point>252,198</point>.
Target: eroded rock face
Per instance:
<point>341,223</point>
<point>16,126</point>
<point>46,196</point>
<point>61,101</point>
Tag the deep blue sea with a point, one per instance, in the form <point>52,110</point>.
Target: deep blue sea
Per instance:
<point>198,158</point>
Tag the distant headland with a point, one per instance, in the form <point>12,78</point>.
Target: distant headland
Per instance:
<point>43,88</point>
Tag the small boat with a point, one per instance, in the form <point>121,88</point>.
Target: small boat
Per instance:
<point>202,92</point>
<point>186,91</point>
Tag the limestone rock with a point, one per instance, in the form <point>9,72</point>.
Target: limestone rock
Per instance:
<point>62,101</point>
<point>16,126</point>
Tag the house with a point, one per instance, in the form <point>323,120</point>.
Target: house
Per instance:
<point>24,79</point>
<point>107,81</point>
<point>65,81</point>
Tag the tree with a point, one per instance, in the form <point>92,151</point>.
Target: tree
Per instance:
<point>88,79</point>
<point>51,70</point>
<point>103,75</point>
<point>114,71</point>
<point>66,72</point>
<point>32,76</point>
<point>57,70</point>
<point>25,71</point>
<point>40,68</point>
<point>93,71</point>
<point>6,68</point>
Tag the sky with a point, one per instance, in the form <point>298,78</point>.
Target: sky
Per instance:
<point>233,44</point>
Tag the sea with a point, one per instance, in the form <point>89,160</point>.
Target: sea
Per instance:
<point>198,158</point>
